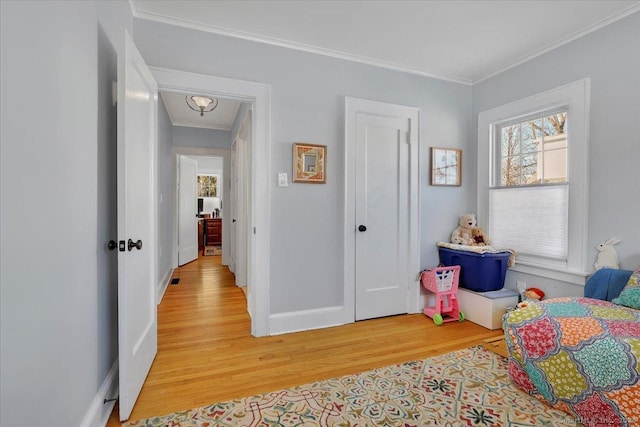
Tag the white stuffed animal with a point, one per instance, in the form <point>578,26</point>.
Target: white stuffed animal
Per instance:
<point>607,256</point>
<point>463,231</point>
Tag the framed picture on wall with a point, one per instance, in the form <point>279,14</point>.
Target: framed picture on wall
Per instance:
<point>309,163</point>
<point>446,166</point>
<point>208,185</point>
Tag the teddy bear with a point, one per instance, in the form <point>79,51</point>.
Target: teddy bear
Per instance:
<point>457,240</point>
<point>479,238</point>
<point>463,231</point>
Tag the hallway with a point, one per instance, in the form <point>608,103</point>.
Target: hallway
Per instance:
<point>206,353</point>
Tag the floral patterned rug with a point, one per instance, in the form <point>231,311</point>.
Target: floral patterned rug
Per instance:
<point>469,387</point>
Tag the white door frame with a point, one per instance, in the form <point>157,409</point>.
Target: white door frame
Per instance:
<point>352,107</point>
<point>259,94</point>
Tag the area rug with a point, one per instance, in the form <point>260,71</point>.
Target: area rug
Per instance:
<point>469,387</point>
<point>212,250</point>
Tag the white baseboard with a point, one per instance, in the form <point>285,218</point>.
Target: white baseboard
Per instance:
<point>161,287</point>
<point>295,321</point>
<point>99,412</point>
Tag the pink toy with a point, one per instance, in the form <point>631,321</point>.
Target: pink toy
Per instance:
<point>443,282</point>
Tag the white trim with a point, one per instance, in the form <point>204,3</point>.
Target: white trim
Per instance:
<point>304,320</point>
<point>195,125</point>
<point>259,94</point>
<point>576,97</point>
<point>353,106</point>
<point>371,61</point>
<point>569,276</point>
<point>163,284</point>
<point>170,20</point>
<point>99,411</point>
<point>568,39</point>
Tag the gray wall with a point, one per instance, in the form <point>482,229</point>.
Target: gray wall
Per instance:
<point>199,137</point>
<point>308,105</point>
<point>58,281</point>
<point>610,57</point>
<point>166,163</point>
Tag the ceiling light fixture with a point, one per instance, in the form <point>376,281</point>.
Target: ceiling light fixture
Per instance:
<point>203,104</point>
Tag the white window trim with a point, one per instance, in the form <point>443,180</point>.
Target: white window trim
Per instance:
<point>576,97</point>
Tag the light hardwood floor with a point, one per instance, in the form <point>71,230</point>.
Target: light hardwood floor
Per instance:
<point>206,353</point>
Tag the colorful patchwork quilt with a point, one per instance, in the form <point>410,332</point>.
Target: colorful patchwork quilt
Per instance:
<point>580,355</point>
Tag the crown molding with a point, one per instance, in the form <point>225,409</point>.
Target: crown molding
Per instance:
<point>590,29</point>
<point>150,16</point>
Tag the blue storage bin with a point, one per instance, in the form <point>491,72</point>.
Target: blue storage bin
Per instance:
<point>478,272</point>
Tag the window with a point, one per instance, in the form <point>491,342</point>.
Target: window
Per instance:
<point>207,185</point>
<point>531,191</point>
<point>532,180</point>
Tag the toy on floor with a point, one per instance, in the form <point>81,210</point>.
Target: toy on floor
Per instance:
<point>531,295</point>
<point>443,282</point>
<point>607,256</point>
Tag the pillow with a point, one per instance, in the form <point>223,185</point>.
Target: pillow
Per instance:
<point>630,295</point>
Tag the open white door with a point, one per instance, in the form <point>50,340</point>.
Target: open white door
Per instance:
<point>137,317</point>
<point>240,212</point>
<point>232,209</point>
<point>187,213</point>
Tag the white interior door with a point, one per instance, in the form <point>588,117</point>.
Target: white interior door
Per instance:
<point>232,210</point>
<point>137,320</point>
<point>187,212</point>
<point>241,210</point>
<point>382,214</point>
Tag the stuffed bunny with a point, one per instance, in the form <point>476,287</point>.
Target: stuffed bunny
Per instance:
<point>607,256</point>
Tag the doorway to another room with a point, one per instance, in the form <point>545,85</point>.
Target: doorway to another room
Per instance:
<point>200,201</point>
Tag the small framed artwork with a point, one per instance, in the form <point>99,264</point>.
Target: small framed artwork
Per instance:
<point>309,163</point>
<point>446,166</point>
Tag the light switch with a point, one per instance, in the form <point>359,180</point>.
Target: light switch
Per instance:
<point>283,180</point>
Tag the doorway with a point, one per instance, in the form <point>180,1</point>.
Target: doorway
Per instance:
<point>258,213</point>
<point>381,221</point>
<point>200,213</point>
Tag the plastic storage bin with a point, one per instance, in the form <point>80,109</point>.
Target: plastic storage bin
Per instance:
<point>478,272</point>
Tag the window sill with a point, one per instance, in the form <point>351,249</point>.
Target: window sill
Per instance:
<point>563,275</point>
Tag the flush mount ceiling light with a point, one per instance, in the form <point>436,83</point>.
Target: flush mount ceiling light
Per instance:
<point>203,104</point>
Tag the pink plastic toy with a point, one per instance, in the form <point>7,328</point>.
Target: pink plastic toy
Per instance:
<point>443,282</point>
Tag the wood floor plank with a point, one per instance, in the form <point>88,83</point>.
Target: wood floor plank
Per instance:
<point>206,353</point>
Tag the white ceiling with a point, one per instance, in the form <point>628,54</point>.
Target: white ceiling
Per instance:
<point>181,115</point>
<point>461,41</point>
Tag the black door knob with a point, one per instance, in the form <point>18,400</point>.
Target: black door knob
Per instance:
<point>362,228</point>
<point>112,245</point>
<point>132,244</point>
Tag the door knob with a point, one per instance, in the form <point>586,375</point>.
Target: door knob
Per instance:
<point>112,245</point>
<point>132,244</point>
<point>362,228</point>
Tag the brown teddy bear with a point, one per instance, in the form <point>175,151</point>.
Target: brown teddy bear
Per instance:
<point>478,238</point>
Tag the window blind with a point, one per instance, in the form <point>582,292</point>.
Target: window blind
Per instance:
<point>532,220</point>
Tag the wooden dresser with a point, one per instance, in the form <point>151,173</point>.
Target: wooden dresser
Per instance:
<point>213,231</point>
